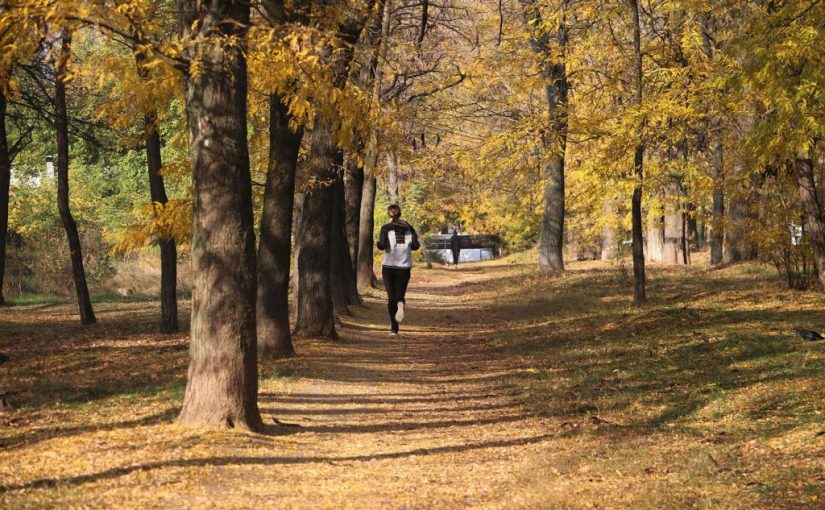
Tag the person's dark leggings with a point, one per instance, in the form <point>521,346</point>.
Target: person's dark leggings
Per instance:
<point>395,281</point>
<point>456,253</point>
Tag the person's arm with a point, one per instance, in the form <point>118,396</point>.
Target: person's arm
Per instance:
<point>383,238</point>
<point>415,244</point>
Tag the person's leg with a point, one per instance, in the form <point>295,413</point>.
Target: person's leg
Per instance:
<point>401,282</point>
<point>390,277</point>
<point>455,257</point>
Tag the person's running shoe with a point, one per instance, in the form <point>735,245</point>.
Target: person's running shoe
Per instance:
<point>393,333</point>
<point>399,315</point>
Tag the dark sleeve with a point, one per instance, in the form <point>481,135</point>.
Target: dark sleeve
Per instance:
<point>383,238</point>
<point>415,244</point>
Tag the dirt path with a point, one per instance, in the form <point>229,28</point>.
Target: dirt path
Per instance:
<point>430,419</point>
<point>426,420</point>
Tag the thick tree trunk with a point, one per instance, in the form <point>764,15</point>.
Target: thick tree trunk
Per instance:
<point>342,272</point>
<point>275,247</point>
<point>168,249</point>
<point>639,280</point>
<point>5,183</point>
<point>813,214</point>
<point>554,74</point>
<point>655,239</point>
<point>737,247</point>
<point>717,238</point>
<point>84,303</point>
<point>314,301</point>
<point>674,232</point>
<point>222,385</point>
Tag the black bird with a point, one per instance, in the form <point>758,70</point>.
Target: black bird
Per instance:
<point>809,334</point>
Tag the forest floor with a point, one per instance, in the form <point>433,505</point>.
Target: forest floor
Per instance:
<point>504,390</point>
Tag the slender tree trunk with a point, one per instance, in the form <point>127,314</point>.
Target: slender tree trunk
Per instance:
<point>639,280</point>
<point>813,214</point>
<point>611,230</point>
<point>5,183</point>
<point>222,385</point>
<point>87,315</point>
<point>353,192</point>
<point>365,275</point>
<point>157,192</point>
<point>394,181</point>
<point>168,249</point>
<point>717,239</point>
<point>314,301</point>
<point>366,229</point>
<point>275,247</point>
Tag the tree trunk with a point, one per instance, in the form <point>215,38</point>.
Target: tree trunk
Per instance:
<point>222,385</point>
<point>314,301</point>
<point>812,209</point>
<point>5,183</point>
<point>87,315</point>
<point>737,247</point>
<point>365,275</point>
<point>610,235</point>
<point>353,191</point>
<point>275,246</point>
<point>717,238</point>
<point>394,181</point>
<point>673,252</point>
<point>366,229</point>
<point>639,280</point>
<point>655,239</point>
<point>157,193</point>
<point>168,248</point>
<point>342,272</point>
<point>554,74</point>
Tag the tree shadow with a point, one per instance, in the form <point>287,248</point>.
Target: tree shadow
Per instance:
<point>269,461</point>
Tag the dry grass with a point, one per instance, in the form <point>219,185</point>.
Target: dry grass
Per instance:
<point>506,391</point>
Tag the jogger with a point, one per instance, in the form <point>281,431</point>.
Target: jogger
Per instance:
<point>398,240</point>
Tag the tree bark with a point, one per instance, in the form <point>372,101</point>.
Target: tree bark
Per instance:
<point>157,193</point>
<point>168,248</point>
<point>5,183</point>
<point>655,239</point>
<point>314,301</point>
<point>674,232</point>
<point>366,229</point>
<point>275,247</point>
<point>353,192</point>
<point>554,74</point>
<point>610,234</point>
<point>639,280</point>
<point>342,272</point>
<point>394,181</point>
<point>737,247</point>
<point>84,302</point>
<point>365,275</point>
<point>222,385</point>
<point>812,209</point>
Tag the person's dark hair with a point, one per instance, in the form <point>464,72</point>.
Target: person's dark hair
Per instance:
<point>394,211</point>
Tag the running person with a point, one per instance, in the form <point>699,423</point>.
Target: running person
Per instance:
<point>398,240</point>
